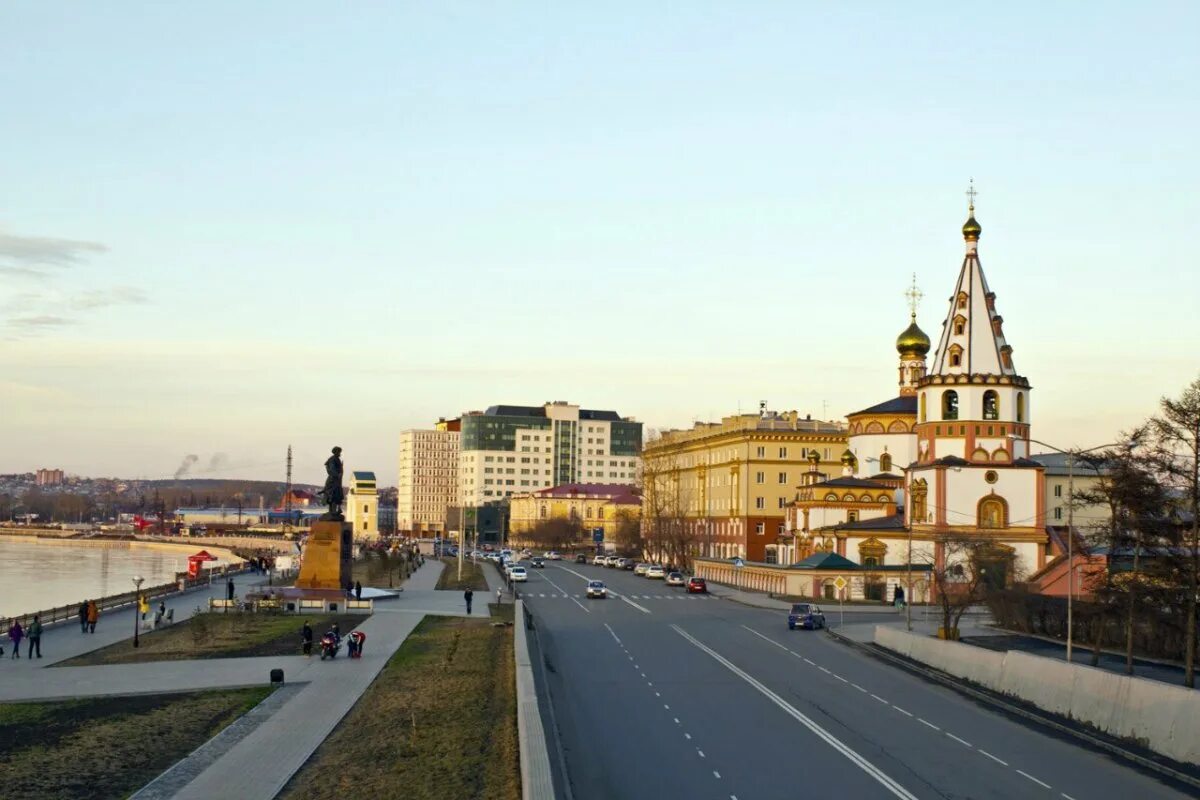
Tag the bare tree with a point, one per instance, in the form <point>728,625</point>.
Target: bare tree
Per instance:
<point>668,529</point>
<point>1176,432</point>
<point>964,566</point>
<point>627,534</point>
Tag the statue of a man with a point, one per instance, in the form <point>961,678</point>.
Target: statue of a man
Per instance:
<point>333,495</point>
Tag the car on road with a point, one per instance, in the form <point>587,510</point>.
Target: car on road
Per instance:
<point>805,615</point>
<point>599,561</point>
<point>621,562</point>
<point>611,561</point>
<point>697,586</point>
<point>640,569</point>
<point>554,555</point>
<point>656,571</point>
<point>675,579</point>
<point>518,574</point>
<point>538,562</point>
<point>581,558</point>
<point>630,563</point>
<point>597,589</point>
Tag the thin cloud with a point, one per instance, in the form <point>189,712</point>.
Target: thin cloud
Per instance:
<point>33,251</point>
<point>103,298</point>
<point>39,322</point>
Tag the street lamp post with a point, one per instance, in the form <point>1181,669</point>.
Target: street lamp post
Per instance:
<point>1071,455</point>
<point>137,585</point>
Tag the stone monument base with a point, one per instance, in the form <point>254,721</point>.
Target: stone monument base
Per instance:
<point>326,563</point>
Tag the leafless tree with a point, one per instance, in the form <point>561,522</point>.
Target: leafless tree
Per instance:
<point>964,566</point>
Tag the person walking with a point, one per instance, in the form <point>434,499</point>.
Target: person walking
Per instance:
<point>15,634</point>
<point>499,595</point>
<point>358,590</point>
<point>306,638</point>
<point>93,615</point>
<point>83,607</point>
<point>229,589</point>
<point>143,606</point>
<point>34,632</point>
<point>468,595</point>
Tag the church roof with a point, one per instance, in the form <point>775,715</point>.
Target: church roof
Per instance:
<point>893,522</point>
<point>980,349</point>
<point>897,405</point>
<point>849,483</point>
<point>825,561</point>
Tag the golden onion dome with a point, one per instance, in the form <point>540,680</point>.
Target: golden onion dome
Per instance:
<point>971,228</point>
<point>848,458</point>
<point>913,340</point>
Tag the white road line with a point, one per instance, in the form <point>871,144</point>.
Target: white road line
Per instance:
<point>827,672</point>
<point>960,741</point>
<point>901,710</point>
<point>930,724</point>
<point>840,678</point>
<point>614,635</point>
<point>573,600</point>
<point>656,694</point>
<point>866,766</point>
<point>856,686</point>
<point>667,707</point>
<point>880,699</point>
<point>1035,780</point>
<point>643,609</point>
<point>810,661</point>
<point>676,720</point>
<point>701,752</point>
<point>650,683</point>
<point>992,757</point>
<point>1064,794</point>
<point>687,736</point>
<point>716,775</point>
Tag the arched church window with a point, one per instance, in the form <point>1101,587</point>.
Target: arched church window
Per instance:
<point>870,561</point>
<point>1020,406</point>
<point>851,516</point>
<point>949,404</point>
<point>991,404</point>
<point>921,402</point>
<point>920,493</point>
<point>885,462</point>
<point>962,299</point>
<point>992,512</point>
<point>960,325</point>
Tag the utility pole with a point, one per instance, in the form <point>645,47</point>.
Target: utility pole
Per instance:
<point>287,494</point>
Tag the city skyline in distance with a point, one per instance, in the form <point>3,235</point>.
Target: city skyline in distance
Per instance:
<point>666,215</point>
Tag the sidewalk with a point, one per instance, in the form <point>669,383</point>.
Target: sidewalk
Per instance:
<point>761,600</point>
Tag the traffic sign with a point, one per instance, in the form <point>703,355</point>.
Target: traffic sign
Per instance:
<point>737,562</point>
<point>839,582</point>
<point>598,535</point>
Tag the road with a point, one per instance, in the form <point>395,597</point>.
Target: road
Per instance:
<point>660,694</point>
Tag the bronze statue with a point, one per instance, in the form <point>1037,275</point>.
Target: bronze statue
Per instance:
<point>332,494</point>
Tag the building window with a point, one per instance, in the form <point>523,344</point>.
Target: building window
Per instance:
<point>851,516</point>
<point>949,404</point>
<point>783,477</point>
<point>1020,406</point>
<point>1058,490</point>
<point>783,452</point>
<point>760,477</point>
<point>885,463</point>
<point>1058,512</point>
<point>991,404</point>
<point>960,325</point>
<point>962,299</point>
<point>762,452</point>
<point>760,502</point>
<point>782,502</point>
<point>760,528</point>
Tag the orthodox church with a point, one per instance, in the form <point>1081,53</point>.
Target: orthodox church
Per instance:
<point>948,455</point>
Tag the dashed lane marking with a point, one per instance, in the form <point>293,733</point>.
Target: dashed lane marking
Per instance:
<point>861,689</point>
<point>866,766</point>
<point>701,752</point>
<point>992,757</point>
<point>927,722</point>
<point>901,710</point>
<point>614,635</point>
<point>960,741</point>
<point>1043,784</point>
<point>716,775</point>
<point>880,699</point>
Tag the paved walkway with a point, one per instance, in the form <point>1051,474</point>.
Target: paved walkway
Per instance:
<point>763,600</point>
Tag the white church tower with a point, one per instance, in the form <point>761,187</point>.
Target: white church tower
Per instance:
<point>972,473</point>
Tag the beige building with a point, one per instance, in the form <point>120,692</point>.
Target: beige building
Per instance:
<point>596,506</point>
<point>362,505</point>
<point>729,484</point>
<point>428,480</point>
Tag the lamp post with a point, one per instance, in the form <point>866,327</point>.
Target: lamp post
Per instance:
<point>1070,453</point>
<point>137,603</point>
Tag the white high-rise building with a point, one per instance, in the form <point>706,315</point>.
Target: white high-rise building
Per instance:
<point>428,482</point>
<point>509,450</point>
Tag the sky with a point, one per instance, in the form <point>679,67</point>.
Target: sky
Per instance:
<point>227,227</point>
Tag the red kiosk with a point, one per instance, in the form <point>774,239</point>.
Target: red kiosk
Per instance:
<point>196,562</point>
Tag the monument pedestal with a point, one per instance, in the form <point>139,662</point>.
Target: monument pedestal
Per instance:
<point>327,556</point>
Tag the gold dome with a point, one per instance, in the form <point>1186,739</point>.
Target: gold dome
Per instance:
<point>971,228</point>
<point>913,340</point>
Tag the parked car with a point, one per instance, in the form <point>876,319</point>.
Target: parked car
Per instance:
<point>538,562</point>
<point>597,589</point>
<point>611,561</point>
<point>599,561</point>
<point>805,615</point>
<point>554,555</point>
<point>630,563</point>
<point>581,558</point>
<point>641,568</point>
<point>675,579</point>
<point>518,574</point>
<point>621,562</point>
<point>697,586</point>
<point>655,571</point>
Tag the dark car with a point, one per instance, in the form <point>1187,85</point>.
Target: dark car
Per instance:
<point>805,615</point>
<point>538,562</point>
<point>629,564</point>
<point>697,586</point>
<point>581,559</point>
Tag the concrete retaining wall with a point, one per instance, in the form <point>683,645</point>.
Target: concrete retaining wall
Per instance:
<point>536,781</point>
<point>1162,717</point>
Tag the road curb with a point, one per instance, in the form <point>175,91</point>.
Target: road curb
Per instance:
<point>1041,718</point>
<point>536,781</point>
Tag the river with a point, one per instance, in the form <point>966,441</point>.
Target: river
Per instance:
<point>44,573</point>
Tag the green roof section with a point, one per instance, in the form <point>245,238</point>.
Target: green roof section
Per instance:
<point>825,561</point>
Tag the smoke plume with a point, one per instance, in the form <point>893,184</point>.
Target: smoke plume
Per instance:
<point>186,465</point>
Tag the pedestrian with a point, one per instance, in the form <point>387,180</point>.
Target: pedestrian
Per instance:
<point>468,595</point>
<point>83,607</point>
<point>358,590</point>
<point>306,638</point>
<point>229,589</point>
<point>162,609</point>
<point>356,640</point>
<point>34,632</point>
<point>93,615</point>
<point>16,633</point>
<point>143,606</point>
<point>499,595</point>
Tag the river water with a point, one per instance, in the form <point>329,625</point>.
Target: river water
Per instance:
<point>44,573</point>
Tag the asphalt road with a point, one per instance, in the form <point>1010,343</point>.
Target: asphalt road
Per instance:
<point>658,694</point>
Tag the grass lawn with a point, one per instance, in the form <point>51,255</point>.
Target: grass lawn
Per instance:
<point>439,722</point>
<point>219,635</point>
<point>472,576</point>
<point>108,747</point>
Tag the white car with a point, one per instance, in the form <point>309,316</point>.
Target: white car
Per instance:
<point>640,569</point>
<point>655,571</point>
<point>597,589</point>
<point>518,574</point>
<point>675,579</point>
<point>554,555</point>
<point>598,561</point>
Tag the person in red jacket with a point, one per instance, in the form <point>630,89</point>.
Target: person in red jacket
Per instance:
<point>355,642</point>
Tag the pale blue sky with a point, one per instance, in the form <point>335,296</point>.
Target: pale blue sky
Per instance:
<point>229,226</point>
